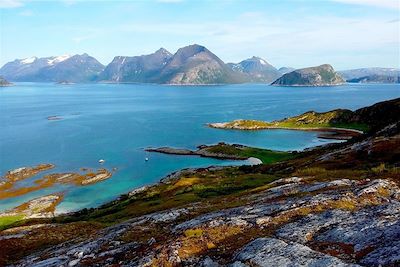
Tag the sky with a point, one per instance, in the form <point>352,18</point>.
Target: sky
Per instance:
<point>296,33</point>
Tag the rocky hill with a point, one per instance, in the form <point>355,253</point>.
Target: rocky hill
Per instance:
<point>323,75</point>
<point>335,205</point>
<point>76,68</point>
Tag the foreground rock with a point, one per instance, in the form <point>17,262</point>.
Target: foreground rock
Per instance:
<point>323,75</point>
<point>265,252</point>
<point>335,223</point>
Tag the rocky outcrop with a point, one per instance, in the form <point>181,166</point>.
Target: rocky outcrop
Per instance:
<point>323,75</point>
<point>334,223</point>
<point>265,252</point>
<point>41,207</point>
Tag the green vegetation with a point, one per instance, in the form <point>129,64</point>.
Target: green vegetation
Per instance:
<point>265,155</point>
<point>6,221</point>
<point>205,185</point>
<point>340,118</point>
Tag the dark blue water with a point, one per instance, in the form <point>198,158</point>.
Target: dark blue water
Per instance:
<point>115,123</point>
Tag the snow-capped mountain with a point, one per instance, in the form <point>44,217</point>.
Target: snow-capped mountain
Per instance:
<point>72,68</point>
<point>256,70</point>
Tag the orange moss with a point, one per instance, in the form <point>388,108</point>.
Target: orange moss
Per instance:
<point>8,190</point>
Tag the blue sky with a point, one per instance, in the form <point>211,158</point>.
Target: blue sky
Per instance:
<point>297,33</point>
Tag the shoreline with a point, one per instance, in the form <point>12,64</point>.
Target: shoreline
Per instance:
<point>342,132</point>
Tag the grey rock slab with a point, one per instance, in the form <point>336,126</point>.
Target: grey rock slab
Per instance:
<point>265,252</point>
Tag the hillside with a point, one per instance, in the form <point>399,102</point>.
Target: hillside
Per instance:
<point>323,75</point>
<point>143,68</point>
<point>364,119</point>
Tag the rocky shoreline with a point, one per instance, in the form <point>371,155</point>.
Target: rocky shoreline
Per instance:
<point>334,133</point>
<point>202,151</point>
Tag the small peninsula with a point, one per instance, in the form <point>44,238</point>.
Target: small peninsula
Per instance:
<point>230,151</point>
<point>323,75</point>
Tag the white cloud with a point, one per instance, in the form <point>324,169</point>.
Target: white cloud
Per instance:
<point>10,3</point>
<point>394,4</point>
<point>316,40</point>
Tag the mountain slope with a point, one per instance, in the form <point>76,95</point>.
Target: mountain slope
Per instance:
<point>77,68</point>
<point>257,70</point>
<point>195,64</point>
<point>323,75</point>
<point>143,68</point>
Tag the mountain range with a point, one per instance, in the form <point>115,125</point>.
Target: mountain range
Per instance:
<point>371,75</point>
<point>193,64</point>
<point>76,68</point>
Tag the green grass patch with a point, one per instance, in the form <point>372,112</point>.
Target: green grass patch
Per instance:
<point>265,155</point>
<point>6,221</point>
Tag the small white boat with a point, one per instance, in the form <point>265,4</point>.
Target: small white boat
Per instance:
<point>146,159</point>
<point>101,161</point>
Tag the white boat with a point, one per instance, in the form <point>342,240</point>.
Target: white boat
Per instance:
<point>146,159</point>
<point>101,161</point>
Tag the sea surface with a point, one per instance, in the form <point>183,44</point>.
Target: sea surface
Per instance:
<point>115,122</point>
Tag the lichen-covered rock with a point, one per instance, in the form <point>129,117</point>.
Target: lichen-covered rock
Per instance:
<point>265,252</point>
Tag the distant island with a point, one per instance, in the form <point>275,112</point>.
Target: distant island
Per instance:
<point>371,75</point>
<point>190,65</point>
<point>4,82</point>
<point>323,75</point>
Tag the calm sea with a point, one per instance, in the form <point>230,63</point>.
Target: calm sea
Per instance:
<point>115,122</point>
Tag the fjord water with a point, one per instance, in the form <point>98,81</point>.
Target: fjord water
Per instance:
<point>116,121</point>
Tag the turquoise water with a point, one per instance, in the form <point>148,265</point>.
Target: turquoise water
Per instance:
<point>115,122</point>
